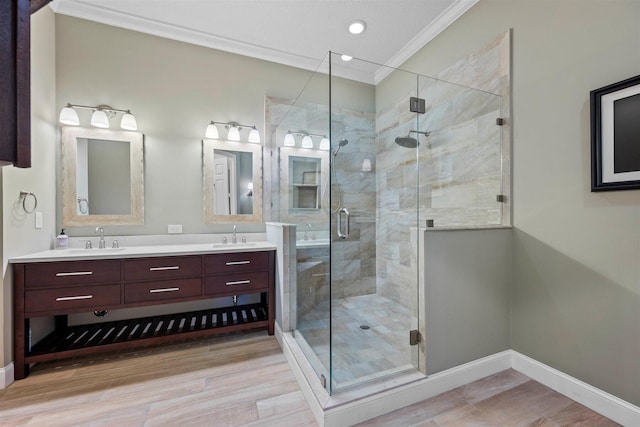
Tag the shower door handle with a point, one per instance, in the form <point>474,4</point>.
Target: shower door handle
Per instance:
<point>344,211</point>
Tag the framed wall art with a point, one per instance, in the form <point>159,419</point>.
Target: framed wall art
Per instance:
<point>615,136</point>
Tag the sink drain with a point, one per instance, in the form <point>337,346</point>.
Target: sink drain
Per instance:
<point>365,327</point>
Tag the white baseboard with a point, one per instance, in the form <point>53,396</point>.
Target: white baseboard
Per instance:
<point>6,376</point>
<point>593,398</point>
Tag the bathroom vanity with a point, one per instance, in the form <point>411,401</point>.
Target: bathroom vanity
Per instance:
<point>60,283</point>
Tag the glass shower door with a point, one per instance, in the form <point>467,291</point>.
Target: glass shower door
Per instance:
<point>373,218</point>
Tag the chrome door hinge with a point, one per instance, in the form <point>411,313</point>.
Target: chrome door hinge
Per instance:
<point>414,337</point>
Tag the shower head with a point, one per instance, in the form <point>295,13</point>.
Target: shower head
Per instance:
<point>341,144</point>
<point>407,141</point>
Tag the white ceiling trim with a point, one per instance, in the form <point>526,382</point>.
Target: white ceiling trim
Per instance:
<point>98,13</point>
<point>446,18</point>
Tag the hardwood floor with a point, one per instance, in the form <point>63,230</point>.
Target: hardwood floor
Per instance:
<point>243,379</point>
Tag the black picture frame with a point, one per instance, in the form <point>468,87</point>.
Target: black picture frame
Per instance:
<point>615,136</point>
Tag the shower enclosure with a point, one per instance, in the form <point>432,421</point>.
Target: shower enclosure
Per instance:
<point>363,159</point>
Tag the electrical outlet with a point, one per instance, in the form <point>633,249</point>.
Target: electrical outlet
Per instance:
<point>38,220</point>
<point>174,228</point>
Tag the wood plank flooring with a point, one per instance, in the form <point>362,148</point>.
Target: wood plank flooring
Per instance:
<point>243,379</point>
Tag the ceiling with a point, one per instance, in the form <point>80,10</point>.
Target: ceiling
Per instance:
<point>291,32</point>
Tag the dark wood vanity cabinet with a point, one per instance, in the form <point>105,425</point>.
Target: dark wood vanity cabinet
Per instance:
<point>60,288</point>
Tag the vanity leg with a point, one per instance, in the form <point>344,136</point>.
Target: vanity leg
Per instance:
<point>271,295</point>
<point>20,324</point>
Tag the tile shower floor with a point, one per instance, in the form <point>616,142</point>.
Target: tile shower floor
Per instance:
<point>358,354</point>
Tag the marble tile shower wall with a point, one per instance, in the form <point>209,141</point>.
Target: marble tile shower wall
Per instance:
<point>353,259</point>
<point>461,166</point>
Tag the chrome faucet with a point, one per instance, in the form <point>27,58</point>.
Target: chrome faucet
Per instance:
<point>234,239</point>
<point>101,243</point>
<point>306,230</point>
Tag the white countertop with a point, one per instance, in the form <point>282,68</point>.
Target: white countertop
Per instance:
<point>76,254</point>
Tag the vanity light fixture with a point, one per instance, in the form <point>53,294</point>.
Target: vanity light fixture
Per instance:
<point>233,131</point>
<point>346,58</point>
<point>250,188</point>
<point>307,141</point>
<point>99,118</point>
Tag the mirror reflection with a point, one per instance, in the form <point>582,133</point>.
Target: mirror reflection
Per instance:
<point>102,177</point>
<point>232,181</point>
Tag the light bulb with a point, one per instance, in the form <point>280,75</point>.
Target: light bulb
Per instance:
<point>69,116</point>
<point>254,135</point>
<point>99,119</point>
<point>212,131</point>
<point>307,142</point>
<point>325,144</point>
<point>289,140</point>
<point>128,122</point>
<point>234,134</point>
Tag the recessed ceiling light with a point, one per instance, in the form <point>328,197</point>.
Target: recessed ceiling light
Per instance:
<point>346,58</point>
<point>357,27</point>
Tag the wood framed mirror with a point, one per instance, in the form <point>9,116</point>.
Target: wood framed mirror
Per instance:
<point>232,182</point>
<point>102,177</point>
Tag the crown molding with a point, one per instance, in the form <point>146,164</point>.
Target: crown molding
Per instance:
<point>446,18</point>
<point>99,13</point>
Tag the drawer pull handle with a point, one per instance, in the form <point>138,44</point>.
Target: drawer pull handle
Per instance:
<point>155,291</point>
<point>173,267</point>
<point>74,298</point>
<point>238,262</point>
<point>238,282</point>
<point>75,273</point>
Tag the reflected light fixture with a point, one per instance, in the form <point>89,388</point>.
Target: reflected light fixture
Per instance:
<point>233,131</point>
<point>289,140</point>
<point>250,188</point>
<point>366,165</point>
<point>99,118</point>
<point>307,142</point>
<point>357,27</point>
<point>325,144</point>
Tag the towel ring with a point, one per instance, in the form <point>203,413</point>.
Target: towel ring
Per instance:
<point>25,195</point>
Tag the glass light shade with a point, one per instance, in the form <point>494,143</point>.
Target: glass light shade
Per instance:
<point>234,134</point>
<point>212,131</point>
<point>254,136</point>
<point>128,122</point>
<point>307,142</point>
<point>99,119</point>
<point>325,144</point>
<point>69,116</point>
<point>289,140</point>
<point>366,165</point>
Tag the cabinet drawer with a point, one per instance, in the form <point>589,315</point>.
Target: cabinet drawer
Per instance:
<point>162,290</point>
<point>67,299</point>
<point>235,262</point>
<point>162,268</point>
<point>65,273</point>
<point>236,283</point>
